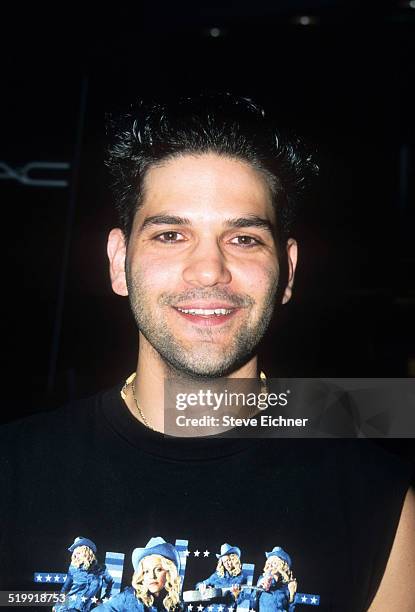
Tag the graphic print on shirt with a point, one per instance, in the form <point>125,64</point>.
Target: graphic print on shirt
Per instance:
<point>85,578</point>
<point>158,581</point>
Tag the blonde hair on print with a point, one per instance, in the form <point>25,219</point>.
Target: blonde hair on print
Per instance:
<point>83,555</point>
<point>220,568</point>
<point>172,585</point>
<point>285,573</point>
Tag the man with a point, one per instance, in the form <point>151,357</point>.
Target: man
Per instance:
<point>206,189</point>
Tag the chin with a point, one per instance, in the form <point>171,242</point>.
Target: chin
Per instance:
<point>200,366</point>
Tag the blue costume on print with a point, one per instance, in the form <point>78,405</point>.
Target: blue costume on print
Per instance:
<point>81,585</point>
<point>227,581</point>
<point>276,598</point>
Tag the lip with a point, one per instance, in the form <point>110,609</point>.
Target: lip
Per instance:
<point>206,305</point>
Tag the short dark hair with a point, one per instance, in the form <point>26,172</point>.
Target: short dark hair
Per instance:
<point>237,127</point>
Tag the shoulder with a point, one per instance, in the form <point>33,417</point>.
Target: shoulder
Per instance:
<point>358,464</point>
<point>375,490</point>
<point>372,475</point>
<point>396,587</point>
<point>56,428</point>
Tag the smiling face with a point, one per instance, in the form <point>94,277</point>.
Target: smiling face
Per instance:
<point>154,574</point>
<point>201,265</point>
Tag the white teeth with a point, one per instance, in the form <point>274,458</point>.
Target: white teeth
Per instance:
<point>205,312</point>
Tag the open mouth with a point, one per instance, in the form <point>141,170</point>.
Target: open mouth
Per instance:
<point>207,316</point>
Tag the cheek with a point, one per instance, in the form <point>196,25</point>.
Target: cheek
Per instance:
<point>256,278</point>
<point>154,272</point>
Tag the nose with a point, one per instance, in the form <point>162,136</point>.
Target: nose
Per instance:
<point>206,266</point>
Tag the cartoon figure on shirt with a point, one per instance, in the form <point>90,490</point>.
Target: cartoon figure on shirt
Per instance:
<point>228,577</point>
<point>277,583</point>
<point>155,586</point>
<point>85,578</point>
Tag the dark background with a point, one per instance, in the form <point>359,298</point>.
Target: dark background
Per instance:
<point>338,73</point>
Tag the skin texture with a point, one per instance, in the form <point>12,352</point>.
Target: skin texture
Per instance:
<point>187,249</point>
<point>396,590</point>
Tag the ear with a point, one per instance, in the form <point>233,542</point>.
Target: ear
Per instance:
<point>116,250</point>
<point>292,253</point>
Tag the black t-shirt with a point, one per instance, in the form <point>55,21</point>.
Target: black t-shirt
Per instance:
<point>92,470</point>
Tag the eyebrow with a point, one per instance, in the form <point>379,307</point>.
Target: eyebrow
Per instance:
<point>250,221</point>
<point>237,222</point>
<point>164,220</point>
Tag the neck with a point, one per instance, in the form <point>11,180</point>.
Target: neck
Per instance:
<point>152,372</point>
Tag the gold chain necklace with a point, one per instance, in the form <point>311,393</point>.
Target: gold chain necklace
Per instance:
<point>131,381</point>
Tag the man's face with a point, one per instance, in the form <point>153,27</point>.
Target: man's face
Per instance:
<point>202,267</point>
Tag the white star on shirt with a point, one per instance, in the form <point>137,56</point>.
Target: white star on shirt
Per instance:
<point>230,609</point>
<point>83,598</point>
<point>48,578</point>
<point>57,578</point>
<point>190,607</point>
<point>304,599</point>
<point>73,597</point>
<point>38,578</point>
<point>220,608</point>
<point>64,577</point>
<point>187,552</point>
<point>94,599</point>
<point>314,600</point>
<point>199,608</point>
<point>210,608</point>
<point>196,553</point>
<point>206,553</point>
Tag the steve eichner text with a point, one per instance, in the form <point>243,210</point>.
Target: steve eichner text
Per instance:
<point>225,399</point>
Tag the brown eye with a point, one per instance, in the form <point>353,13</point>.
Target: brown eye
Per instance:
<point>245,241</point>
<point>170,237</point>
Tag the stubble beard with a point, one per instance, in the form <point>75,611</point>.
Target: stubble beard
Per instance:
<point>204,359</point>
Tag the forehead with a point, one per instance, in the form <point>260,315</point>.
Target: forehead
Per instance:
<point>211,185</point>
<point>151,560</point>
